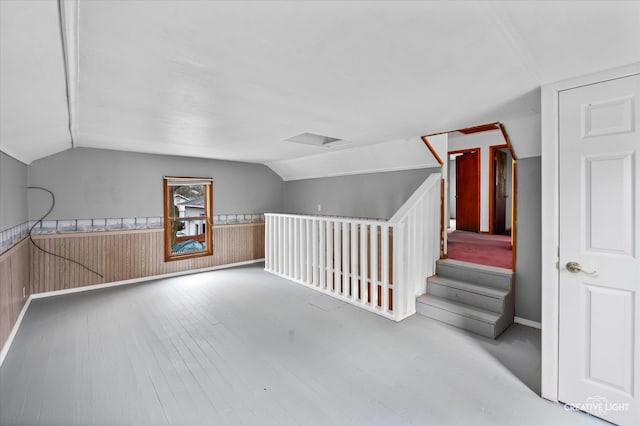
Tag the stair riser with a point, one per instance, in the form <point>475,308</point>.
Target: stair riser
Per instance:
<point>457,320</point>
<point>506,319</point>
<point>474,276</point>
<point>474,299</point>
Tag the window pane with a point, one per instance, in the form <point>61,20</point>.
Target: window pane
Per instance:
<point>188,236</point>
<point>188,200</point>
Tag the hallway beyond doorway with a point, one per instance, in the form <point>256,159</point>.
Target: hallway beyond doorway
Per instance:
<point>484,249</point>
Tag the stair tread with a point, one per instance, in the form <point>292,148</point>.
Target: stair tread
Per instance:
<point>476,267</point>
<point>471,287</point>
<point>460,308</point>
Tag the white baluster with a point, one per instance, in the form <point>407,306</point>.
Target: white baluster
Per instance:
<point>322,253</point>
<point>294,246</point>
<point>285,251</point>
<point>354,261</point>
<point>384,258</point>
<point>285,246</point>
<point>346,279</point>
<point>399,265</point>
<point>303,249</point>
<point>363,263</point>
<point>300,251</point>
<point>316,264</point>
<point>272,242</point>
<point>309,244</point>
<point>329,258</point>
<point>267,244</point>
<point>290,247</point>
<point>336,256</point>
<point>276,247</point>
<point>374,265</point>
<point>281,245</point>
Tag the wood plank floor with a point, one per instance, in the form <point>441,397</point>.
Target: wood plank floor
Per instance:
<point>241,346</point>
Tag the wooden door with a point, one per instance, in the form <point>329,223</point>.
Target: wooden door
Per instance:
<point>599,286</point>
<point>468,192</point>
<point>499,191</point>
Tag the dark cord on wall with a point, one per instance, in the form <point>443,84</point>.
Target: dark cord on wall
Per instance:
<point>53,204</point>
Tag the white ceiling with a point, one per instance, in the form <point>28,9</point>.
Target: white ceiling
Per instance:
<point>231,80</point>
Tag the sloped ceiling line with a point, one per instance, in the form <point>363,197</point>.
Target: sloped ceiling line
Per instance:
<point>69,16</point>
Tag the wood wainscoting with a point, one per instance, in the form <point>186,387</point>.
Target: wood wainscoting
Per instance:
<point>124,255</point>
<point>14,277</point>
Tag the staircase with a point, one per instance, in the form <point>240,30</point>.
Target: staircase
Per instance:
<point>477,298</point>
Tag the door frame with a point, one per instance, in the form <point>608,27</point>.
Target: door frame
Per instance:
<point>445,184</point>
<point>479,174</point>
<point>492,194</point>
<point>550,214</point>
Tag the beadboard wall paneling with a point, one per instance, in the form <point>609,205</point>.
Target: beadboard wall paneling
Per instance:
<point>124,255</point>
<point>14,276</point>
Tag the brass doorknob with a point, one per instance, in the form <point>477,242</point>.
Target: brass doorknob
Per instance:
<point>575,267</point>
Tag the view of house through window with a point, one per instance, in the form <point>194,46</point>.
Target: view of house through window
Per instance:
<point>188,217</point>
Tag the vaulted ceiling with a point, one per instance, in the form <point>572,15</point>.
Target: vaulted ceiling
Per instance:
<point>232,80</point>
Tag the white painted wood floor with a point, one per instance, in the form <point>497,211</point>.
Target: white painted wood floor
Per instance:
<point>241,346</point>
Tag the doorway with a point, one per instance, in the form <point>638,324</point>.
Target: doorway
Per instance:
<point>479,181</point>
<point>466,202</point>
<point>500,190</point>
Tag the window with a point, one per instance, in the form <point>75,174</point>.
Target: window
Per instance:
<point>188,217</point>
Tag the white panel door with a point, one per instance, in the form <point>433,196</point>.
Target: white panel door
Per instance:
<point>599,360</point>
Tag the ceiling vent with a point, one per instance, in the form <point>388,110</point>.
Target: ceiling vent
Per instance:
<point>308,138</point>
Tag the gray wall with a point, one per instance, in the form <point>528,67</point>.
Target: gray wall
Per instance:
<point>370,195</point>
<point>528,279</point>
<point>13,192</point>
<point>94,183</point>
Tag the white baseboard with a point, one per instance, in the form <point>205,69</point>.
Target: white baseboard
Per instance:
<point>14,330</point>
<point>527,322</point>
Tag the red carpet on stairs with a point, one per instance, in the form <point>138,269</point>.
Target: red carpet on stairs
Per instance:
<point>485,249</point>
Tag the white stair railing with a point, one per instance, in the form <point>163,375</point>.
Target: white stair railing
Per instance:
<point>349,259</point>
<point>379,266</point>
<point>417,226</point>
